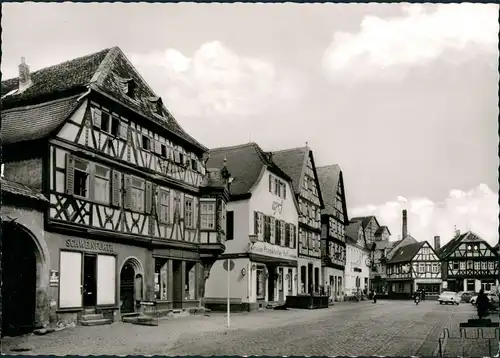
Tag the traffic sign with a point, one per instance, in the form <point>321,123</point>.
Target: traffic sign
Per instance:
<point>231,265</point>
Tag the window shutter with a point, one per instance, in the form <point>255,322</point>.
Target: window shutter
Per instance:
<point>158,147</point>
<point>284,191</point>
<point>91,179</point>
<point>255,223</point>
<point>70,173</point>
<point>148,197</point>
<point>115,188</point>
<point>270,183</point>
<point>96,117</point>
<point>128,191</point>
<point>230,225</point>
<point>177,157</point>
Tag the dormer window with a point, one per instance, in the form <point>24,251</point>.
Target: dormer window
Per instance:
<point>146,143</point>
<point>131,89</point>
<point>157,105</point>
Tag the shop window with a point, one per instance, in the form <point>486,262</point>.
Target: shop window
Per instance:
<point>81,178</point>
<point>302,279</point>
<point>190,281</point>
<point>161,279</point>
<point>102,185</point>
<point>106,279</point>
<point>137,195</point>
<point>70,279</point>
<point>261,294</point>
<point>188,212</point>
<point>230,225</point>
<point>164,206</point>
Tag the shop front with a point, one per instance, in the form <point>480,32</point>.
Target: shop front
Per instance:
<point>309,279</point>
<point>334,283</point>
<point>401,288</point>
<point>176,279</point>
<point>91,274</point>
<point>432,287</point>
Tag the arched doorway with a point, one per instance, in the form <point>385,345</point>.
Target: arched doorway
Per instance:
<point>19,276</point>
<point>130,285</point>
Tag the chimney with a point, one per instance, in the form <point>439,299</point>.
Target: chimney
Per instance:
<point>24,75</point>
<point>437,243</point>
<point>405,225</point>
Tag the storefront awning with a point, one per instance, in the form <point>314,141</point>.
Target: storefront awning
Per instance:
<point>272,260</point>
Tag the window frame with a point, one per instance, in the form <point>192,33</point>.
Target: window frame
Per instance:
<point>208,215</point>
<point>133,207</point>
<point>189,214</point>
<point>88,178</point>
<point>161,193</point>
<point>108,179</point>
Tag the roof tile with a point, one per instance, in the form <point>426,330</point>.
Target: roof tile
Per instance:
<point>21,190</point>
<point>329,177</point>
<point>406,253</point>
<point>291,161</point>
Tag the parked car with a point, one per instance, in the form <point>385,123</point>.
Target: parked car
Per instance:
<point>449,297</point>
<point>466,296</point>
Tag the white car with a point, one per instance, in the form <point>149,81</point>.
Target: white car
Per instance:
<point>449,297</point>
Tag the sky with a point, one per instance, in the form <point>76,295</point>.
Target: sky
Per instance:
<point>403,97</point>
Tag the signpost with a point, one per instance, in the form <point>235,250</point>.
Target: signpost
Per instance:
<point>228,265</point>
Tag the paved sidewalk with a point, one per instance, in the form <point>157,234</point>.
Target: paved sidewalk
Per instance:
<point>471,342</point>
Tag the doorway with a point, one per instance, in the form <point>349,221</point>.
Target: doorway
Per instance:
<point>89,280</point>
<point>310,278</point>
<point>281,293</point>
<point>271,283</point>
<point>127,288</point>
<point>19,276</point>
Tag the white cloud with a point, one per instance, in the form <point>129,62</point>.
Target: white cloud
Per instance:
<point>476,210</point>
<point>216,81</point>
<point>415,38</point>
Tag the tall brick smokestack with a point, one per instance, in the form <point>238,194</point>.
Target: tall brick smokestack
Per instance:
<point>437,243</point>
<point>405,225</point>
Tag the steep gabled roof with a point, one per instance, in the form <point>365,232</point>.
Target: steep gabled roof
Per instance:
<point>365,220</point>
<point>352,229</point>
<point>452,245</point>
<point>406,253</point>
<point>104,72</point>
<point>245,163</point>
<point>329,178</point>
<point>381,229</point>
<point>294,162</point>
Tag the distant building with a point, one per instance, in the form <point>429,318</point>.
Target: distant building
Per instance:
<point>262,206</point>
<point>469,263</point>
<point>333,222</point>
<point>298,163</point>
<point>358,260</point>
<point>412,267</point>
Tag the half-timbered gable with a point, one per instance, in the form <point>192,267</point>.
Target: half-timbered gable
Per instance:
<point>298,163</point>
<point>469,263</point>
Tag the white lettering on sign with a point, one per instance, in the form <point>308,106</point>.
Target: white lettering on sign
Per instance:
<point>264,248</point>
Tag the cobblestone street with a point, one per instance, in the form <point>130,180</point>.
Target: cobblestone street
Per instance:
<point>388,328</point>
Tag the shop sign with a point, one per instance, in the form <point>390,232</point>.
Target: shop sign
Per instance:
<point>54,278</point>
<point>264,248</point>
<point>92,245</point>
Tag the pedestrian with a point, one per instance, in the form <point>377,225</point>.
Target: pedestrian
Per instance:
<point>374,297</point>
<point>482,304</point>
<point>423,294</point>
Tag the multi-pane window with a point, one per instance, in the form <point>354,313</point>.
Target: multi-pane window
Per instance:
<point>267,229</point>
<point>137,195</point>
<point>164,206</point>
<point>161,279</point>
<point>287,235</point>
<point>272,229</point>
<point>282,233</point>
<point>476,265</point>
<point>260,283</point>
<point>421,268</point>
<point>81,178</point>
<point>259,225</point>
<point>491,265</point>
<point>428,267</point>
<point>462,265</point>
<point>208,215</point>
<point>102,185</point>
<point>188,212</point>
<point>277,186</point>
<point>435,267</point>
<point>483,265</point>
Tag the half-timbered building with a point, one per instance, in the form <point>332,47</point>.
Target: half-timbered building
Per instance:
<point>469,263</point>
<point>298,163</point>
<point>262,219</point>
<point>333,222</point>
<point>413,267</point>
<point>126,212</point>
